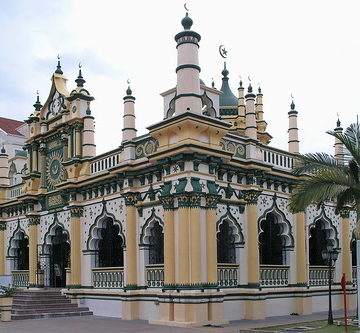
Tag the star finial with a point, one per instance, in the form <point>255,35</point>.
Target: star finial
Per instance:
<point>58,67</point>
<point>223,52</point>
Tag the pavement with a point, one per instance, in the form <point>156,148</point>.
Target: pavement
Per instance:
<point>97,324</point>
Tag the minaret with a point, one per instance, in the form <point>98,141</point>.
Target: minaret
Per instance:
<point>129,130</point>
<point>89,147</point>
<point>4,167</point>
<point>261,124</point>
<point>293,130</point>
<point>241,100</point>
<point>339,148</point>
<point>250,116</point>
<point>188,97</point>
<point>58,67</point>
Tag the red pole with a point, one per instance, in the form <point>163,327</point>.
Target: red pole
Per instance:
<point>343,285</point>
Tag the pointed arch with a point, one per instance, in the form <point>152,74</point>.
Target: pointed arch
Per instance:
<point>92,243</point>
<point>322,234</point>
<point>51,233</point>
<point>234,225</point>
<point>148,225</point>
<point>18,249</point>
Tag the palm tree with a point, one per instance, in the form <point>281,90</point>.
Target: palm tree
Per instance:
<point>337,179</point>
<point>328,178</point>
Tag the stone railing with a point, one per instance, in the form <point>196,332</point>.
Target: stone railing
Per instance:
<point>227,275</point>
<point>354,276</point>
<point>20,278</point>
<point>104,163</point>
<point>274,275</point>
<point>154,276</point>
<point>277,159</point>
<point>108,277</point>
<point>319,275</point>
<point>14,191</point>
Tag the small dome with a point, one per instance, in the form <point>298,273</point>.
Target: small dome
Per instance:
<point>3,151</point>
<point>187,22</point>
<point>227,98</point>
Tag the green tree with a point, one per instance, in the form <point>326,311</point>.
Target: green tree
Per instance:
<point>327,178</point>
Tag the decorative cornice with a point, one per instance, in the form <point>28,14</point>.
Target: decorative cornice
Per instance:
<point>167,202</point>
<point>211,201</point>
<point>189,200</point>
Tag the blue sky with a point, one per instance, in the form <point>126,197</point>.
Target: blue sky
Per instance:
<point>308,48</point>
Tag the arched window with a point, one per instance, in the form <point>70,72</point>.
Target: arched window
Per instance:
<point>270,242</point>
<point>110,245</point>
<point>353,251</point>
<point>156,244</point>
<point>22,252</point>
<point>226,244</point>
<point>317,243</point>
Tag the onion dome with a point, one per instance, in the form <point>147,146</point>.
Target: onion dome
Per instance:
<point>227,98</point>
<point>187,22</point>
<point>292,105</point>
<point>3,151</point>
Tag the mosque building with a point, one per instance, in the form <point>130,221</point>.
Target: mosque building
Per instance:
<point>187,224</point>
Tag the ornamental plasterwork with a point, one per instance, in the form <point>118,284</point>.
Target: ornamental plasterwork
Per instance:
<point>237,149</point>
<point>312,213</point>
<point>148,211</point>
<point>63,219</point>
<point>11,226</point>
<point>352,222</point>
<point>222,209</point>
<point>146,148</point>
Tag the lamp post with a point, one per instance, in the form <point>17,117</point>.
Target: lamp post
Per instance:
<point>330,255</point>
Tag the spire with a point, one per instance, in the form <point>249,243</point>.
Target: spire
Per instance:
<point>80,80</point>
<point>58,67</point>
<point>227,98</point>
<point>240,84</point>
<point>292,105</point>
<point>128,91</point>
<point>3,151</point>
<point>259,91</point>
<point>37,104</point>
<point>338,123</point>
<point>250,89</point>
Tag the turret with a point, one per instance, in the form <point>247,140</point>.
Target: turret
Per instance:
<point>89,147</point>
<point>188,97</point>
<point>293,130</point>
<point>250,116</point>
<point>261,124</point>
<point>129,130</point>
<point>4,167</point>
<point>241,100</point>
<point>339,148</point>
<point>227,100</point>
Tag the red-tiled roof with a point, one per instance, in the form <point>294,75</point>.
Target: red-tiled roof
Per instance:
<point>10,125</point>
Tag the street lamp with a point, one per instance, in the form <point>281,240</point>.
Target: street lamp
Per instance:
<point>330,255</point>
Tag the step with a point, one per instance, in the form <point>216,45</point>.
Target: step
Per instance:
<point>41,301</point>
<point>50,315</point>
<point>43,306</point>
<point>37,311</point>
<point>30,295</point>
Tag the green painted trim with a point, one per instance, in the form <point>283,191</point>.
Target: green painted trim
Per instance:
<point>187,66</point>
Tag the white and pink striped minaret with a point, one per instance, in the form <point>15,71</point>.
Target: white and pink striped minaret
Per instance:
<point>188,97</point>
<point>293,130</point>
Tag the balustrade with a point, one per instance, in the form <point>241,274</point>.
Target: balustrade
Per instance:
<point>20,278</point>
<point>227,275</point>
<point>319,275</point>
<point>274,275</point>
<point>154,276</point>
<point>104,163</point>
<point>278,159</point>
<point>108,277</point>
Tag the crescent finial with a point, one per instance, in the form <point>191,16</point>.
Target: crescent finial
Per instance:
<point>249,78</point>
<point>58,56</point>
<point>292,95</point>
<point>185,6</point>
<point>80,64</point>
<point>128,81</point>
<point>37,92</point>
<point>222,51</point>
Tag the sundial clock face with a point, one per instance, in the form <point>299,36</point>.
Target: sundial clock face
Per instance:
<point>56,103</point>
<point>55,172</point>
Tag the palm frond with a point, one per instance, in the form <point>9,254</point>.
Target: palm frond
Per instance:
<point>314,162</point>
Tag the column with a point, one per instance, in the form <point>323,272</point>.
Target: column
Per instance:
<point>254,309</point>
<point>345,248</point>
<point>34,152</point>
<point>183,241</point>
<point>76,213</point>
<point>64,139</point>
<point>131,307</point>
<point>78,140</point>
<point>211,249</point>
<point>43,165</point>
<point>169,241</point>
<point>33,222</point>
<point>2,248</point>
<point>303,305</point>
<point>195,251</point>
